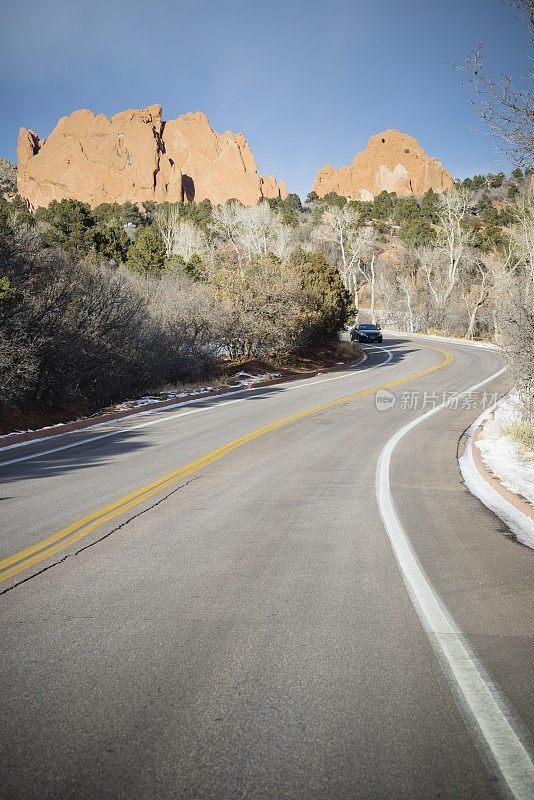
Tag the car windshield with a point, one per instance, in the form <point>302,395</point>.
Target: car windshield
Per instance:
<point>368,327</point>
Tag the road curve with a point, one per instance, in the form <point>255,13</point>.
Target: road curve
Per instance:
<point>234,618</point>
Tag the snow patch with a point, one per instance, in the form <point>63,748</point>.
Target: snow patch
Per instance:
<point>144,405</point>
<point>518,522</point>
<point>504,456</point>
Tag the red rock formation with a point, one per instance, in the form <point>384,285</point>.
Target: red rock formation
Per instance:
<point>393,162</point>
<point>136,156</point>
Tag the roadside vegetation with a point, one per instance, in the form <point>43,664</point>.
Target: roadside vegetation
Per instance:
<point>97,305</point>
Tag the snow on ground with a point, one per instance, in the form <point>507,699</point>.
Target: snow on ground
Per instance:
<point>511,466</point>
<point>507,459</point>
<point>239,379</point>
<point>143,403</point>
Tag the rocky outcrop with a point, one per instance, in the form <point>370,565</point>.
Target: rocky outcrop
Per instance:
<point>392,162</point>
<point>137,156</point>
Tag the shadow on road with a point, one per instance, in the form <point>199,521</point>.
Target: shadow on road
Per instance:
<point>116,439</point>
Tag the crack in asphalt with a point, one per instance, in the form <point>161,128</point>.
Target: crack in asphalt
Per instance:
<point>100,538</point>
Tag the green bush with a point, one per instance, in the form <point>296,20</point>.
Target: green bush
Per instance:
<point>383,205</point>
<point>417,231</point>
<point>147,254</point>
<point>325,292</point>
<point>334,199</point>
<point>111,242</point>
<point>66,223</point>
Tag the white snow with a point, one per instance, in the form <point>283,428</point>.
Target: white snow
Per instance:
<point>509,465</point>
<point>144,405</point>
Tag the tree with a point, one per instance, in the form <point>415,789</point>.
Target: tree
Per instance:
<point>417,231</point>
<point>293,201</point>
<point>496,181</point>
<point>67,223</point>
<point>508,111</point>
<point>188,241</point>
<point>111,242</point>
<point>350,244</point>
<point>195,268</point>
<point>8,176</point>
<point>312,197</point>
<point>147,254</point>
<point>336,224</point>
<point>130,213</point>
<point>383,205</point>
<point>257,229</point>
<point>167,221</point>
<point>430,206</point>
<point>406,209</point>
<point>334,199</point>
<point>453,238</point>
<point>325,292</point>
<point>474,296</point>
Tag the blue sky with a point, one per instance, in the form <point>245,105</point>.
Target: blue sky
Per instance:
<point>307,82</point>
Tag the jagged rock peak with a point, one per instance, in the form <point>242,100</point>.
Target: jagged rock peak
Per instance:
<point>136,156</point>
<point>392,162</point>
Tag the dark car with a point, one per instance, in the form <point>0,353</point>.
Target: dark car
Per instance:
<point>366,333</point>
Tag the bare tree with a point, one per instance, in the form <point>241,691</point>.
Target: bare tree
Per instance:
<point>283,240</point>
<point>353,247</point>
<point>508,111</point>
<point>180,236</point>
<point>474,296</point>
<point>513,290</point>
<point>367,270</point>
<point>167,221</point>
<point>188,241</point>
<point>256,227</point>
<point>336,226</point>
<point>227,222</point>
<point>453,238</point>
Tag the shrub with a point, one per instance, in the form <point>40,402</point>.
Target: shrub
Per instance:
<point>8,176</point>
<point>147,254</point>
<point>66,223</point>
<point>325,293</point>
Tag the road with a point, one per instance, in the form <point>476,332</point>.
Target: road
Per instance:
<point>318,609</point>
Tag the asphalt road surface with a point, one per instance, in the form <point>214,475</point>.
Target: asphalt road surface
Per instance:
<point>278,594</point>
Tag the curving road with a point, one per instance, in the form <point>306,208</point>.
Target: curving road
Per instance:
<point>283,594</point>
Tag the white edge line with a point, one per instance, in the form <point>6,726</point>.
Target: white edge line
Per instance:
<point>490,712</point>
<point>160,419</point>
<point>449,339</point>
<point>143,412</point>
<point>520,524</point>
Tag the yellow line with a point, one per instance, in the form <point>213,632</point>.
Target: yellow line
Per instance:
<point>22,560</point>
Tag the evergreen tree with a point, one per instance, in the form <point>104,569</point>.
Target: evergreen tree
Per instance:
<point>111,242</point>
<point>326,294</point>
<point>383,205</point>
<point>68,223</point>
<point>147,253</point>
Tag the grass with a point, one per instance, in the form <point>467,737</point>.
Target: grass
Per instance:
<point>521,432</point>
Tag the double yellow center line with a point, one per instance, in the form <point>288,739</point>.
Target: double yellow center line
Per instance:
<point>60,540</point>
